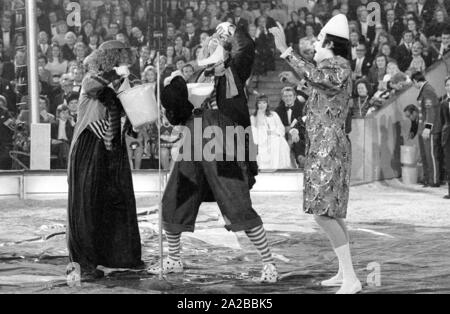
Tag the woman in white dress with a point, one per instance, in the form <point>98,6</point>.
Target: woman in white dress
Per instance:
<point>269,135</point>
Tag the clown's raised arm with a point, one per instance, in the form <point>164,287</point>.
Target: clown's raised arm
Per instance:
<point>333,70</point>
<point>331,76</point>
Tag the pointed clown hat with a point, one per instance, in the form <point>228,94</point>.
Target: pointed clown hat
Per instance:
<point>337,26</point>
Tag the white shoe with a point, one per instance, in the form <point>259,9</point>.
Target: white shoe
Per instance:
<point>354,288</point>
<point>169,267</point>
<point>336,281</point>
<point>269,274</point>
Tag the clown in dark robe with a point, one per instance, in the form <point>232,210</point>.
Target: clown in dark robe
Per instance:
<point>102,227</point>
<point>225,179</point>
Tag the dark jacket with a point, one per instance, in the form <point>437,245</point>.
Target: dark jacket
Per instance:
<point>55,129</point>
<point>367,64</point>
<point>404,57</point>
<point>445,123</point>
<point>431,114</point>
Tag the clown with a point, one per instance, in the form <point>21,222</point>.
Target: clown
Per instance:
<point>102,227</point>
<point>227,180</point>
<point>328,161</point>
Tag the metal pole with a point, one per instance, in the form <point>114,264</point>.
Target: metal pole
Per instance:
<point>158,102</point>
<point>32,55</point>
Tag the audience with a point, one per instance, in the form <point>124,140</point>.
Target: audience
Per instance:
<point>412,35</point>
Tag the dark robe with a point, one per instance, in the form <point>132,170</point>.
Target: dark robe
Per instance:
<point>102,221</point>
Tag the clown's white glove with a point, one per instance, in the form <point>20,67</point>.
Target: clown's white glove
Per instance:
<point>215,58</point>
<point>122,71</point>
<point>225,29</point>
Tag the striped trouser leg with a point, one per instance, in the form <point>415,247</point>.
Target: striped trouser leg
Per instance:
<point>259,239</point>
<point>174,240</point>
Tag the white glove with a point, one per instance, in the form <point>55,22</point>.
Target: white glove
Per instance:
<point>122,71</point>
<point>225,28</point>
<point>215,58</point>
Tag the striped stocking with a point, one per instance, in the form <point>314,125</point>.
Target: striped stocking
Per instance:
<point>174,240</point>
<point>258,237</point>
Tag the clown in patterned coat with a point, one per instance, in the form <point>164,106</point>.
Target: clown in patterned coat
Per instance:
<point>328,151</point>
<point>227,178</point>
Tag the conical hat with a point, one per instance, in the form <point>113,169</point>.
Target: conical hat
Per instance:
<point>337,26</point>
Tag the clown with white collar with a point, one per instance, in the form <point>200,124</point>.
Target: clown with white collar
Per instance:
<point>328,152</point>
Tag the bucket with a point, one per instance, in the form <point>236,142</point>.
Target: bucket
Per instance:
<point>410,175</point>
<point>199,92</point>
<point>140,104</point>
<point>408,155</point>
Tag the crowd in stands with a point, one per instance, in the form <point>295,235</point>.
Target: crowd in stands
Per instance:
<point>412,35</point>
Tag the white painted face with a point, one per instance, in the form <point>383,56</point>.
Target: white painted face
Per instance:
<point>321,52</point>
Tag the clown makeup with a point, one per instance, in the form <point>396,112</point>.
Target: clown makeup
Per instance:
<point>322,53</point>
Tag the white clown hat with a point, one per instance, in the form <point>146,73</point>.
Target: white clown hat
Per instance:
<point>337,26</point>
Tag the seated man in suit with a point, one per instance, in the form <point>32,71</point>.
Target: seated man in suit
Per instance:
<point>62,134</point>
<point>404,51</point>
<point>191,37</point>
<point>290,112</point>
<point>362,64</point>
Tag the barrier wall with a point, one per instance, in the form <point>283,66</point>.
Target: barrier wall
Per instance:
<point>53,184</point>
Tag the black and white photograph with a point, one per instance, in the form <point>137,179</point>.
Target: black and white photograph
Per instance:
<point>232,149</point>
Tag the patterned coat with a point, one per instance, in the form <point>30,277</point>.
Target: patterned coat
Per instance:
<point>328,151</point>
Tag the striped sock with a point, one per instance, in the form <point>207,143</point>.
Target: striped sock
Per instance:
<point>174,240</point>
<point>258,237</point>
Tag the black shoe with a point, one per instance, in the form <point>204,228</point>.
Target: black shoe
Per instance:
<point>447,197</point>
<point>437,185</point>
<point>92,275</point>
<point>425,185</point>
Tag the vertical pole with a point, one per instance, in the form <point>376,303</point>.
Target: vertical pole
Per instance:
<point>158,103</point>
<point>32,55</point>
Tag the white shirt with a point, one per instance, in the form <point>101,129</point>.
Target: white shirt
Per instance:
<point>289,114</point>
<point>44,48</point>
<point>358,66</point>
<point>420,8</point>
<point>7,39</point>
<point>62,131</point>
<point>364,28</point>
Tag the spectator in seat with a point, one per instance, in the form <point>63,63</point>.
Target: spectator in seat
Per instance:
<point>291,113</point>
<point>68,49</point>
<point>269,134</point>
<point>308,41</point>
<point>365,29</point>
<point>205,26</point>
<point>73,104</point>
<point>393,26</point>
<point>418,63</point>
<point>57,65</point>
<point>265,49</point>
<point>7,91</point>
<point>294,30</point>
<point>404,51</point>
<point>361,103</point>
<point>191,37</point>
<point>61,135</point>
<point>377,72</point>
<point>238,20</point>
<point>43,46</point>
<point>61,31</point>
<point>362,64</point>
<point>44,115</point>
<point>417,34</point>
<point>138,38</point>
<point>6,134</point>
<point>45,76</point>
<point>180,49</point>
<point>87,30</point>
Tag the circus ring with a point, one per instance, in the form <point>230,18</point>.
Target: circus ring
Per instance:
<point>400,237</point>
